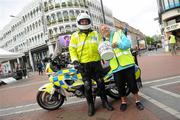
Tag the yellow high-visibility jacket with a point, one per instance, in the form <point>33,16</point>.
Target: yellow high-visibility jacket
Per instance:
<point>88,52</point>
<point>172,39</point>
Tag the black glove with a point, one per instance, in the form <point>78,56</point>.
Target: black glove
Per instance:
<point>77,65</point>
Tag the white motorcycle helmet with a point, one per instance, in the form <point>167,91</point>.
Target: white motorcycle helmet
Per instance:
<point>82,16</point>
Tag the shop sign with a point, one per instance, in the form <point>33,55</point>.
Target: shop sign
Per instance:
<point>172,27</point>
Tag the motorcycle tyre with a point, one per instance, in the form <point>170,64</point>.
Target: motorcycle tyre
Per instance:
<point>113,95</point>
<point>41,104</point>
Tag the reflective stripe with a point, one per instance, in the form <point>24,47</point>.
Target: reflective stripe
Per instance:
<point>122,53</point>
<point>90,41</point>
<point>73,45</point>
<point>80,44</point>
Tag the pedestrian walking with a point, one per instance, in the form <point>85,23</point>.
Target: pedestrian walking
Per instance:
<point>19,72</point>
<point>172,42</point>
<point>134,52</point>
<point>84,54</point>
<point>122,65</point>
<point>40,67</point>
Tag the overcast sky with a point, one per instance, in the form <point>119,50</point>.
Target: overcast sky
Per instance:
<point>139,14</point>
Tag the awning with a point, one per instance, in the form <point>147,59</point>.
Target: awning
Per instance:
<point>6,55</point>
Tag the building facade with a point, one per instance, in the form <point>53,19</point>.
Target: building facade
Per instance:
<point>137,37</point>
<point>35,30</point>
<point>169,18</point>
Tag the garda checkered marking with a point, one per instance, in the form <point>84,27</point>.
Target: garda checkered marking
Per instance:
<point>63,75</point>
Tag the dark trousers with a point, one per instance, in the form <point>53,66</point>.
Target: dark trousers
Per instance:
<point>93,70</point>
<point>123,77</point>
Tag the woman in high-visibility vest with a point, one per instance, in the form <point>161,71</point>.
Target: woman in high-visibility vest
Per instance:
<point>122,65</point>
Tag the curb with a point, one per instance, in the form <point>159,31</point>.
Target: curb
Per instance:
<point>2,83</point>
<point>5,81</point>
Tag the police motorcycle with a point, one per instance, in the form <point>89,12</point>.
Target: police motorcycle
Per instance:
<point>64,78</point>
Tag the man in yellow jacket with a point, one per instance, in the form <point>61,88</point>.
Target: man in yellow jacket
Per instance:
<point>84,54</point>
<point>122,65</point>
<point>172,42</point>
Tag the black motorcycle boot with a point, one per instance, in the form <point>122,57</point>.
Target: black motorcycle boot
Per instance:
<point>106,105</point>
<point>91,110</point>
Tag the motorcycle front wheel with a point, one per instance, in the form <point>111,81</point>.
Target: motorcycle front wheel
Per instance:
<point>49,102</point>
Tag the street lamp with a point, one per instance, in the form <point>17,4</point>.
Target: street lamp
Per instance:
<point>102,7</point>
<point>14,16</point>
<point>45,28</point>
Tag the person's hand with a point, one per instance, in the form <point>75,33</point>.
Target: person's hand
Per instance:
<point>114,45</point>
<point>76,64</point>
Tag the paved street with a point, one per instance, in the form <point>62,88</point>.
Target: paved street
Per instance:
<point>160,95</point>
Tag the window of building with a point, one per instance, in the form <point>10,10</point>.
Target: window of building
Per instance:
<point>38,37</point>
<point>166,4</point>
<point>31,14</point>
<point>41,35</point>
<point>77,12</point>
<point>171,3</point>
<point>61,29</point>
<point>170,22</point>
<point>33,26</point>
<point>53,16</point>
<point>30,28</point>
<point>59,15</point>
<point>177,3</point>
<point>39,22</point>
<point>178,19</point>
<point>55,30</point>
<point>36,24</point>
<point>68,28</point>
<point>65,15</point>
<point>34,12</point>
<point>74,27</point>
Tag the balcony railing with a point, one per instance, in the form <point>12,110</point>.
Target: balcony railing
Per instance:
<point>70,4</point>
<point>73,18</point>
<point>63,4</point>
<point>60,20</point>
<point>51,6</point>
<point>66,19</point>
<point>76,4</point>
<point>53,21</point>
<point>57,5</point>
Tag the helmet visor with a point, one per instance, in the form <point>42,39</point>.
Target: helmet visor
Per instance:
<point>84,22</point>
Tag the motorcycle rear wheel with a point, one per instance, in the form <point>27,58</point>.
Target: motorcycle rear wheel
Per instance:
<point>114,93</point>
<point>44,101</point>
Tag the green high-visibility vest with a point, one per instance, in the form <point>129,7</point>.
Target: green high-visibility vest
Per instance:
<point>122,57</point>
<point>172,39</point>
